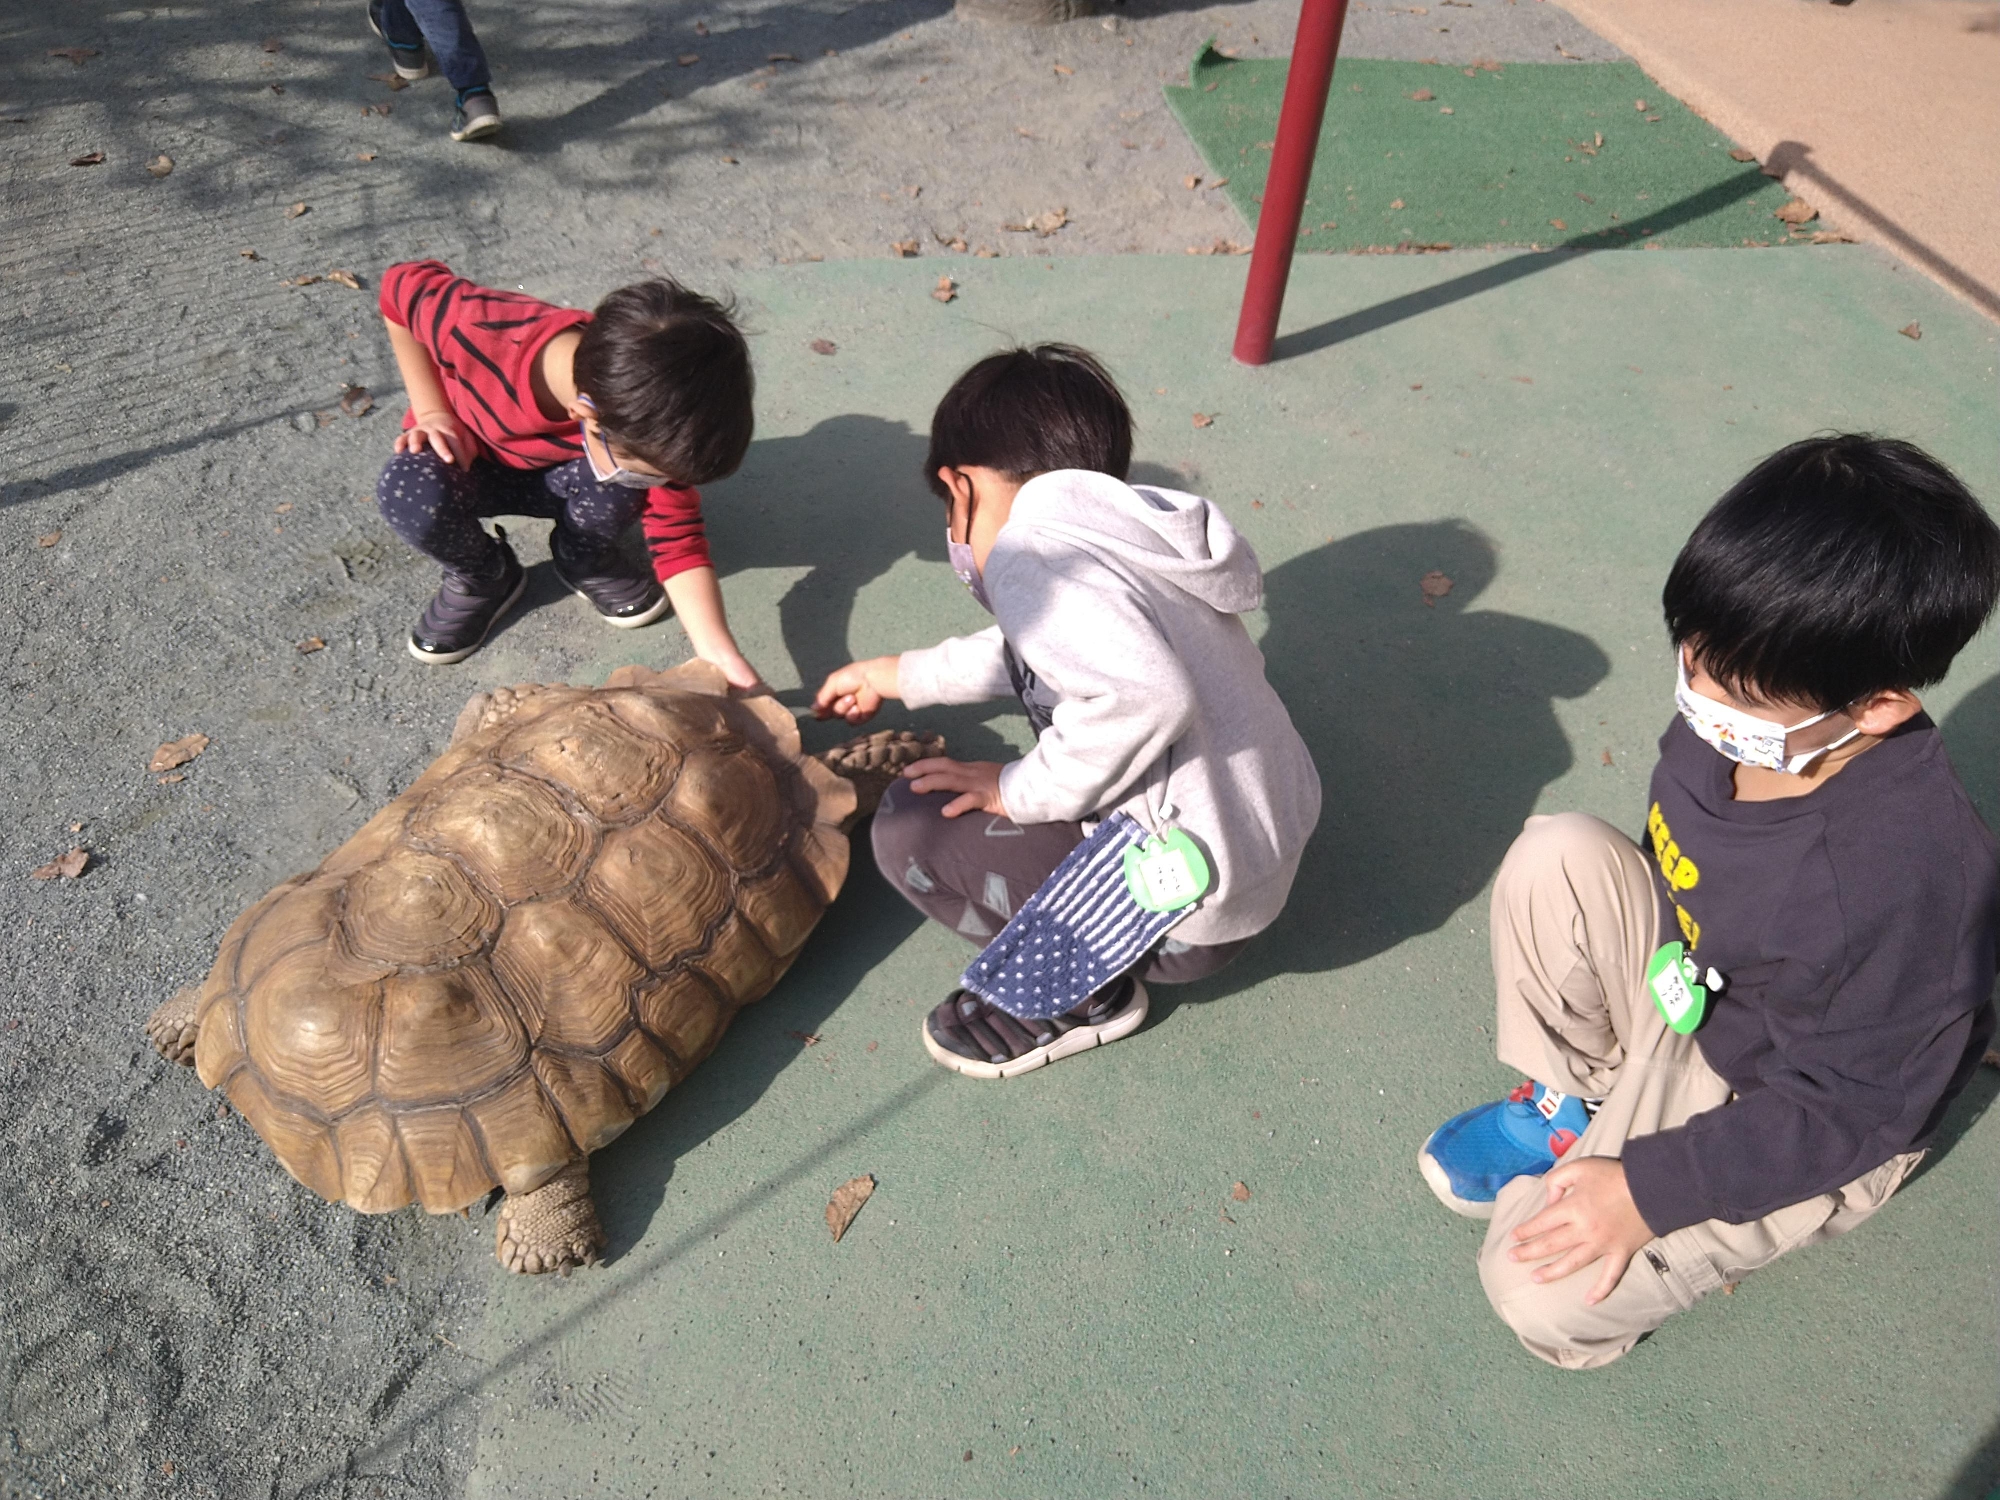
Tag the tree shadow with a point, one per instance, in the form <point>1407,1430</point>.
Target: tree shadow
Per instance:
<point>1433,728</point>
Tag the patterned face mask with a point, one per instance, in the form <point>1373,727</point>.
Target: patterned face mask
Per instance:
<point>609,471</point>
<point>967,570</point>
<point>1743,737</point>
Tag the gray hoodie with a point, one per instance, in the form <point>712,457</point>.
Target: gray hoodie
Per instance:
<point>1121,606</point>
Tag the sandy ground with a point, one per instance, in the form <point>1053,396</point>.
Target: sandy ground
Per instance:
<point>180,505</point>
<point>1831,97</point>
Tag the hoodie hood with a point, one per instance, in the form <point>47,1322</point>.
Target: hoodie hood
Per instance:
<point>1178,538</point>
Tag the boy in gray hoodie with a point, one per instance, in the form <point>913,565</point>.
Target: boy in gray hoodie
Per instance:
<point>1119,628</point>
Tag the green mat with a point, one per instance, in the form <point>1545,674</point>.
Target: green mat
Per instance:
<point>1422,155</point>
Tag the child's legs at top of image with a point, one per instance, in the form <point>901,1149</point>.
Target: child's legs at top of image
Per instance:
<point>590,516</point>
<point>972,873</point>
<point>1575,920</point>
<point>445,27</point>
<point>436,507</point>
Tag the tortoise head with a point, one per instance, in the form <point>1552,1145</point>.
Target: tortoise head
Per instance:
<point>874,761</point>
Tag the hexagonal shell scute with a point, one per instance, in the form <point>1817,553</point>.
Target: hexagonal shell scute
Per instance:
<point>447,1035</point>
<point>616,772</point>
<point>512,832</point>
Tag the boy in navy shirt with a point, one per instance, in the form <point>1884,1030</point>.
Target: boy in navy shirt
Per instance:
<point>1740,1033</point>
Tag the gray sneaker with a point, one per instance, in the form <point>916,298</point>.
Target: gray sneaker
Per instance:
<point>411,61</point>
<point>476,116</point>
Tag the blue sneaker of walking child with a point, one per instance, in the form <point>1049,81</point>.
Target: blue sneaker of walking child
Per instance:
<point>1470,1157</point>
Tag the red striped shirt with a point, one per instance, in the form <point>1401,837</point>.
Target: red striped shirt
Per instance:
<point>484,344</point>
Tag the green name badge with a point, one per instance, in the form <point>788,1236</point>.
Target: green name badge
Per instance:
<point>1676,987</point>
<point>1166,873</point>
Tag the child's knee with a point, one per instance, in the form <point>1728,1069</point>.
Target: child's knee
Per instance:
<point>1557,843</point>
<point>411,479</point>
<point>1552,1320</point>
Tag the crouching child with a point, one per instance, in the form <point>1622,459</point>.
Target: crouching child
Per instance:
<point>1119,627</point>
<point>1739,1033</point>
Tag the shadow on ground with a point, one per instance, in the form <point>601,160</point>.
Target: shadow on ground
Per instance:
<point>1434,729</point>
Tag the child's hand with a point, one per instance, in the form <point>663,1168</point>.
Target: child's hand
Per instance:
<point>443,434</point>
<point>1590,1216</point>
<point>742,676</point>
<point>976,781</point>
<point>856,691</point>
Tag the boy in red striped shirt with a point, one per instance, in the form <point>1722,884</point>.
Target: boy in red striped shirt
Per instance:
<point>593,420</point>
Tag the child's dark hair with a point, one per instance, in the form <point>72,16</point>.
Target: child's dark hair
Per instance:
<point>1838,567</point>
<point>1027,411</point>
<point>670,376</point>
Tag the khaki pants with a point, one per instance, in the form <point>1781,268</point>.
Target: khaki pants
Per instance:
<point>1575,920</point>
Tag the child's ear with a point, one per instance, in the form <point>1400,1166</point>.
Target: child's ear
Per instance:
<point>1880,713</point>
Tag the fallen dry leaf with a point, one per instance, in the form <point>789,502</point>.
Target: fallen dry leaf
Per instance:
<point>1911,330</point>
<point>1203,419</point>
<point>170,778</point>
<point>1445,109</point>
<point>1065,72</point>
<point>945,290</point>
<point>69,866</point>
<point>273,44</point>
<point>1557,224</point>
<point>282,508</point>
<point>1397,204</point>
<point>1607,758</point>
<point>177,752</point>
<point>688,59</point>
<point>298,281</point>
<point>1241,1193</point>
<point>345,278</point>
<point>161,165</point>
<point>823,346</point>
<point>248,254</point>
<point>807,1037</point>
<point>1190,183</point>
<point>48,539</point>
<point>846,1203</point>
<point>1042,224</point>
<point>394,82</point>
<point>88,159</point>
<point>730,161</point>
<point>1220,182</point>
<point>986,252</point>
<point>1435,586</point>
<point>296,210</point>
<point>364,155</point>
<point>1824,237</point>
<point>355,400</point>
<point>1422,96</point>
<point>1640,105</point>
<point>1562,51</point>
<point>1739,154</point>
<point>1220,247</point>
<point>1797,211</point>
<point>905,248</point>
<point>74,54</point>
<point>779,57</point>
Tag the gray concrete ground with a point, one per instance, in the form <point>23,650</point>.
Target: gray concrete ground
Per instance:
<point>181,504</point>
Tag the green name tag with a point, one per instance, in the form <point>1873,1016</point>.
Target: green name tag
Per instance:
<point>1166,873</point>
<point>1676,988</point>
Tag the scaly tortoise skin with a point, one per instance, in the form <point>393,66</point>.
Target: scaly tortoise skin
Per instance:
<point>523,952</point>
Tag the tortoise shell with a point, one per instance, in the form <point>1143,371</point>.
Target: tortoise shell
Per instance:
<point>522,953</point>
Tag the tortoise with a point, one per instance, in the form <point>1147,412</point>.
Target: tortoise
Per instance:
<point>522,953</point>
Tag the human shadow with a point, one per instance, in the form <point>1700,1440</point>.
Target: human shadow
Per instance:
<point>1978,1475</point>
<point>1972,738</point>
<point>1433,727</point>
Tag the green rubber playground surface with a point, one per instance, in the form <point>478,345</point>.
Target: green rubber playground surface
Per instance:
<point>1423,154</point>
<point>1055,1290</point>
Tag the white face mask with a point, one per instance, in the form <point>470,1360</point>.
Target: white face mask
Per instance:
<point>1743,737</point>
<point>610,471</point>
<point>963,564</point>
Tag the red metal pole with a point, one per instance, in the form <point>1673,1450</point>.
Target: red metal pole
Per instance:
<point>1306,86</point>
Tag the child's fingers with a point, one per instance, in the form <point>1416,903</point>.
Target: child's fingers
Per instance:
<point>964,803</point>
<point>933,765</point>
<point>1569,1265</point>
<point>1607,1282</point>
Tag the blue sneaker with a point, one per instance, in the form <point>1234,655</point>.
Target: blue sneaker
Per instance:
<point>1470,1157</point>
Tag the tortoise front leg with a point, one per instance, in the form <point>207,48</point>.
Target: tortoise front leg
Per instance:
<point>172,1028</point>
<point>552,1228</point>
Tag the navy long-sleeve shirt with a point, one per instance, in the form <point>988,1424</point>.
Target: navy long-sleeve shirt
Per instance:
<point>1855,928</point>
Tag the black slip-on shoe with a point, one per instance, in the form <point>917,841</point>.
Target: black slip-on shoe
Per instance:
<point>621,593</point>
<point>464,611</point>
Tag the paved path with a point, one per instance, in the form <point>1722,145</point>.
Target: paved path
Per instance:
<point>1884,115</point>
